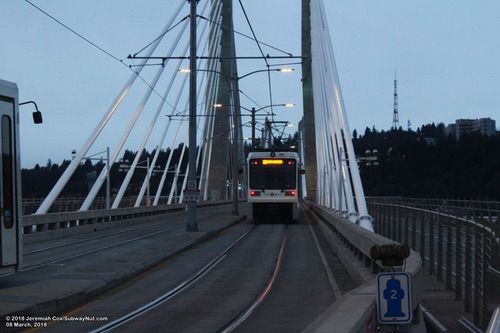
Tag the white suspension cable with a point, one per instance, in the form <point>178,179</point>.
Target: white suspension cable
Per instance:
<point>68,172</point>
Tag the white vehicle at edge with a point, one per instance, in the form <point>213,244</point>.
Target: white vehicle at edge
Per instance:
<point>10,180</point>
<point>273,182</point>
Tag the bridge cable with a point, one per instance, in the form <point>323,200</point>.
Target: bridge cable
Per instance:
<point>71,168</point>
<point>262,53</point>
<point>101,48</point>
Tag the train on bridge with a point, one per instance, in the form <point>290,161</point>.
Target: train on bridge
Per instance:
<point>273,183</point>
<point>10,180</point>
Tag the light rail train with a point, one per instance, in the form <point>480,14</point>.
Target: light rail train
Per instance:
<point>273,182</point>
<point>10,180</point>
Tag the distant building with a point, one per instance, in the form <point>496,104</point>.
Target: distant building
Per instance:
<point>485,126</point>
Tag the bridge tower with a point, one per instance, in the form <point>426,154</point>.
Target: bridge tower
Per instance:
<point>228,98</point>
<point>307,124</point>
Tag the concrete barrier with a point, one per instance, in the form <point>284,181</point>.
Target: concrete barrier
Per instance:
<point>355,311</point>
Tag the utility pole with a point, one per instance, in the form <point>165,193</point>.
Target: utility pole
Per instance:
<point>253,127</point>
<point>148,196</point>
<point>192,224</point>
<point>108,185</point>
<point>235,163</point>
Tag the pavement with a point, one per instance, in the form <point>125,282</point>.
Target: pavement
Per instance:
<point>52,288</point>
<point>442,304</point>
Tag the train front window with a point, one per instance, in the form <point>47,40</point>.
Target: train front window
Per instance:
<point>273,176</point>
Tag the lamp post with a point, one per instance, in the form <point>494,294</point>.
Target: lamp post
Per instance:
<point>192,123</point>
<point>126,167</point>
<point>192,223</point>
<point>253,111</point>
<point>108,168</point>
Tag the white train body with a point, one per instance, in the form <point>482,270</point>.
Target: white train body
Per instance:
<point>10,180</point>
<point>273,182</point>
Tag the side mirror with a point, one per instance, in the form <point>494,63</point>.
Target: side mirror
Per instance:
<point>37,117</point>
<point>302,171</point>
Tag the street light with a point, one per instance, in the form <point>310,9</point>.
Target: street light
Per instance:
<point>230,81</point>
<point>125,167</point>
<point>108,167</point>
<point>282,70</point>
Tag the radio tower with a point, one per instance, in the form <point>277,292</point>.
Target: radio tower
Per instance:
<point>395,115</point>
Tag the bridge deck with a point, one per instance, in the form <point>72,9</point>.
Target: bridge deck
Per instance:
<point>58,276</point>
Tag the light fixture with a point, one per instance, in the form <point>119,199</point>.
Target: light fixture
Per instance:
<point>184,70</point>
<point>290,105</point>
<point>217,105</point>
<point>290,125</point>
<point>286,69</point>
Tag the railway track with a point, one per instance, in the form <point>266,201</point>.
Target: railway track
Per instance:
<point>223,286</point>
<point>42,255</point>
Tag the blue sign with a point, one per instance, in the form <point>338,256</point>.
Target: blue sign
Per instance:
<point>394,298</point>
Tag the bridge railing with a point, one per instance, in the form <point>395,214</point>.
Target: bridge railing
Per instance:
<point>72,204</point>
<point>362,299</point>
<point>45,226</point>
<point>486,212</point>
<point>460,252</point>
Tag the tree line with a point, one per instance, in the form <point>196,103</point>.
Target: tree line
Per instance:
<point>422,163</point>
<point>428,163</point>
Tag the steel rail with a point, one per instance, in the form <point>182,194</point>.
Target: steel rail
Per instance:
<point>174,291</point>
<point>144,225</point>
<point>73,256</point>
<point>236,321</point>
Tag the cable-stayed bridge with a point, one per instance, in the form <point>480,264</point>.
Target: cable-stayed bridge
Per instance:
<point>132,265</point>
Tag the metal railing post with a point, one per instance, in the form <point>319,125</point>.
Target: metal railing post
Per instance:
<point>407,215</point>
<point>468,269</point>
<point>477,276</point>
<point>449,254</point>
<point>399,224</point>
<point>422,238</point>
<point>414,230</point>
<point>458,261</point>
<point>440,249</point>
<point>431,243</point>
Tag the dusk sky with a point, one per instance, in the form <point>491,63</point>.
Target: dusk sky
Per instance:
<point>446,54</point>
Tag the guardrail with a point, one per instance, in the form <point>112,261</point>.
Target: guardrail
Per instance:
<point>36,224</point>
<point>361,301</point>
<point>461,253</point>
<point>486,212</point>
<point>72,204</point>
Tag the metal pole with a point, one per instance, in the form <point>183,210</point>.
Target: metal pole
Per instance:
<point>253,127</point>
<point>108,187</point>
<point>148,198</point>
<point>175,190</point>
<point>192,223</point>
<point>235,163</point>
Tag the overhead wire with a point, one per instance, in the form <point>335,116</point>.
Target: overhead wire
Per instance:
<point>121,61</point>
<point>246,36</point>
<point>262,53</point>
<point>76,33</point>
<point>161,35</point>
